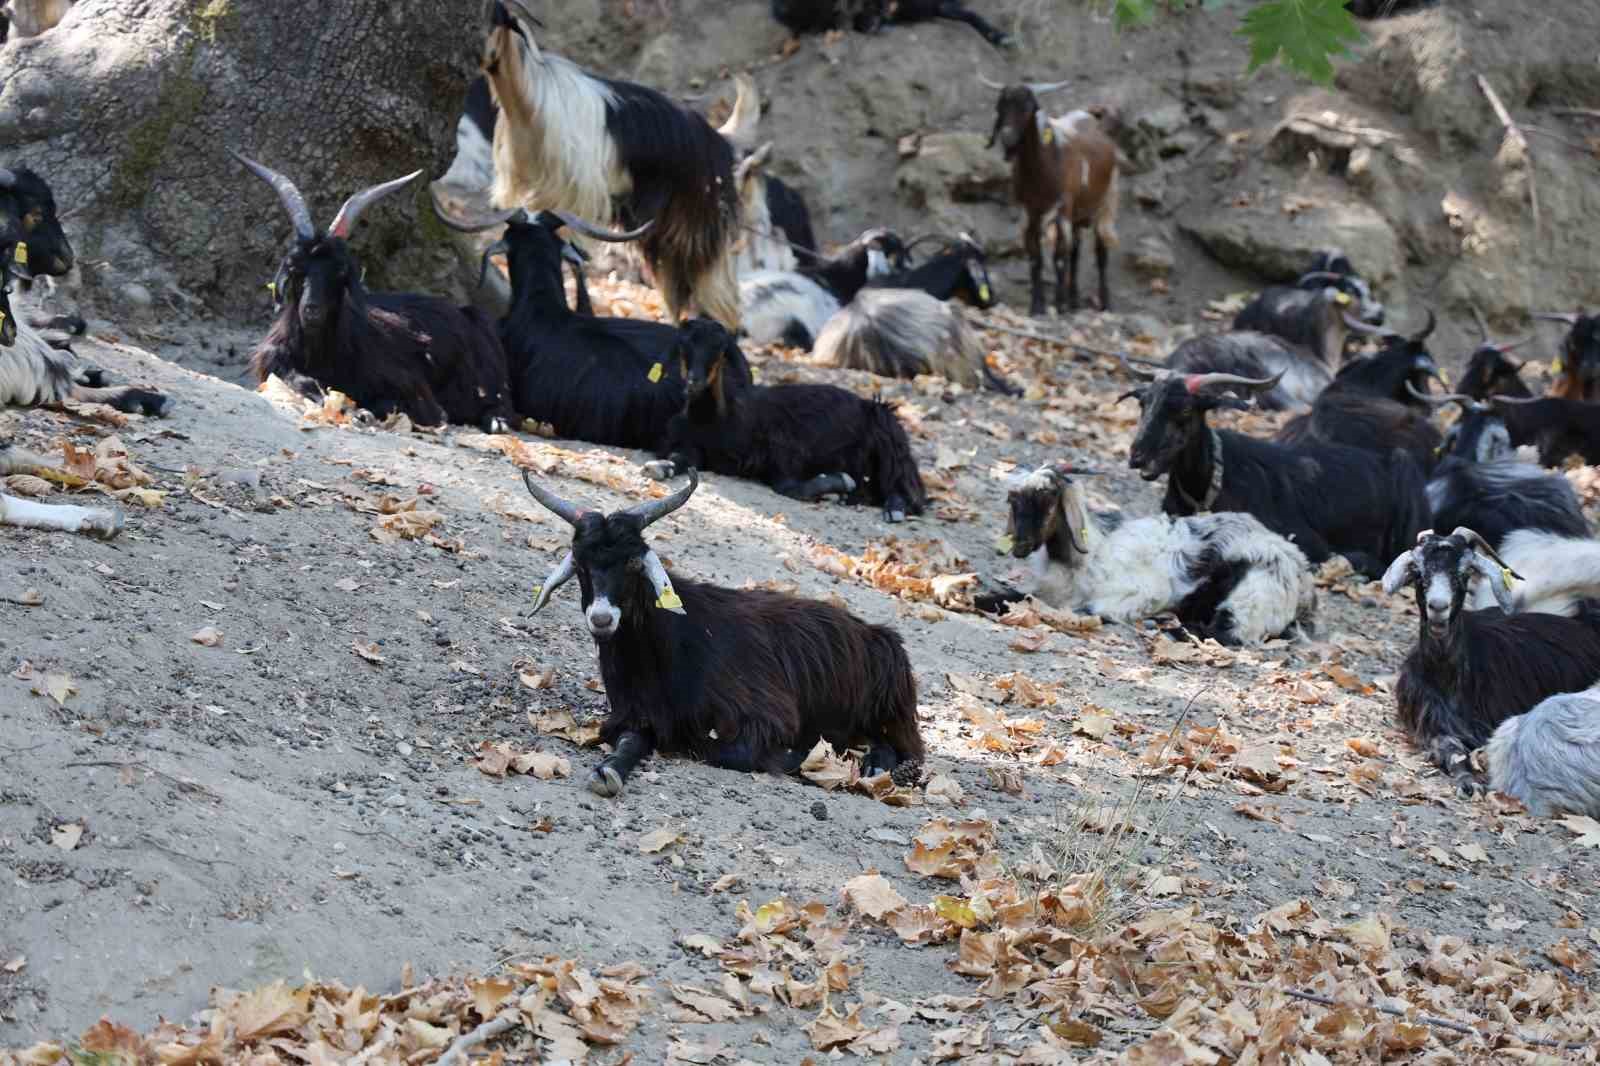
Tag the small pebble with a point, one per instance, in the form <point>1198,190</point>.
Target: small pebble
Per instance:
<point>819,811</point>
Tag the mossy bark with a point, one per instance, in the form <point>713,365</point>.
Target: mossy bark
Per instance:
<point>129,110</point>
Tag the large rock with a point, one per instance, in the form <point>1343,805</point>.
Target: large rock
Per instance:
<point>1274,244</point>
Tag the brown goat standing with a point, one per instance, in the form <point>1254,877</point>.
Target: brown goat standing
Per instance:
<point>1063,171</point>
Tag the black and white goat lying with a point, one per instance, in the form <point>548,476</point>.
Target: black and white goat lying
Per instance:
<point>806,441</point>
<point>959,270</point>
<point>1224,575</point>
<point>790,306</point>
<point>1327,498</point>
<point>1549,758</point>
<point>1471,670</point>
<point>745,680</point>
<point>901,333</point>
<point>1299,374</point>
<point>421,356</point>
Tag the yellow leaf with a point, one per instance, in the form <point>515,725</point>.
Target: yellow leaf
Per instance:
<point>1587,828</point>
<point>60,687</point>
<point>266,1011</point>
<point>957,911</point>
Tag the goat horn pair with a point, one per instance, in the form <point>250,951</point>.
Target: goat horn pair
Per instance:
<point>1196,382</point>
<point>1473,538</point>
<point>1569,317</point>
<point>647,513</point>
<point>293,202</point>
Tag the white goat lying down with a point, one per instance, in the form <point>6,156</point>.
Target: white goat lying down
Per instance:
<point>1549,758</point>
<point>63,518</point>
<point>1556,573</point>
<point>1224,575</point>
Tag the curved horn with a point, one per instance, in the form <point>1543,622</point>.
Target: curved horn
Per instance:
<point>293,202</point>
<point>1511,346</point>
<point>1359,326</point>
<point>1039,88</point>
<point>740,128</point>
<point>1196,382</point>
<point>1472,537</point>
<point>522,10</point>
<point>1320,275</point>
<point>497,248</point>
<point>987,83</point>
<point>589,229</point>
<point>471,224</point>
<point>1570,318</point>
<point>1442,400</point>
<point>345,221</point>
<point>560,575</point>
<point>567,512</point>
<point>1427,331</point>
<point>1138,372</point>
<point>656,510</point>
<point>1500,398</point>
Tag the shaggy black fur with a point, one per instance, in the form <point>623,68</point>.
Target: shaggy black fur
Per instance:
<point>1558,428</point>
<point>803,440</point>
<point>1471,670</point>
<point>1497,499</point>
<point>788,212</point>
<point>1368,405</point>
<point>845,272</point>
<point>867,16</point>
<point>588,377</point>
<point>1579,378</point>
<point>1254,355</point>
<point>1299,316</point>
<point>958,271</point>
<point>1327,498</point>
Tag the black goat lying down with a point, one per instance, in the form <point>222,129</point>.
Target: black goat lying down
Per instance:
<point>604,380</point>
<point>1557,427</point>
<point>1313,319</point>
<point>1577,368</point>
<point>1224,575</point>
<point>790,307</point>
<point>867,16</point>
<point>1549,758</point>
<point>1471,670</point>
<point>420,356</point>
<point>33,369</point>
<point>901,333</point>
<point>958,271</point>
<point>745,680</point>
<point>805,441</point>
<point>1299,374</point>
<point>1377,402</point>
<point>1327,498</point>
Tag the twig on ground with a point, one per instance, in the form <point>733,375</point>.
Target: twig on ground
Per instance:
<point>1576,112</point>
<point>1517,137</point>
<point>1428,1019</point>
<point>457,1053</point>
<point>176,782</point>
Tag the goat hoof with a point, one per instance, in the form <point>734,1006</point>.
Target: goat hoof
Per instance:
<point>1471,788</point>
<point>605,781</point>
<point>894,517</point>
<point>660,469</point>
<point>103,524</point>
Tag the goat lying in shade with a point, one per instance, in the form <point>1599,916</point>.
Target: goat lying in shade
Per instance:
<point>1549,758</point>
<point>790,307</point>
<point>745,680</point>
<point>389,352</point>
<point>806,441</point>
<point>901,333</point>
<point>957,271</point>
<point>1299,374</point>
<point>1471,670</point>
<point>1224,575</point>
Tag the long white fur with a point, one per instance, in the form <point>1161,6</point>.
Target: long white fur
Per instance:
<point>1549,758</point>
<point>32,372</point>
<point>901,327</point>
<point>770,300</point>
<point>762,246</point>
<point>1143,567</point>
<point>1556,573</point>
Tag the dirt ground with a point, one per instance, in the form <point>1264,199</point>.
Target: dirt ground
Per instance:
<point>244,743</point>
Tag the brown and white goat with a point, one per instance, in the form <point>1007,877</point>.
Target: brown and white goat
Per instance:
<point>1063,173</point>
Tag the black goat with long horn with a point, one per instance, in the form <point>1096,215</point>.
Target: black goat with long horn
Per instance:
<point>421,356</point>
<point>743,679</point>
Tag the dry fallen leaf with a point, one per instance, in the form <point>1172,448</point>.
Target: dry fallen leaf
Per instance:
<point>209,637</point>
<point>368,652</point>
<point>872,895</point>
<point>60,688</point>
<point>66,837</point>
<point>1587,828</point>
<point>659,840</point>
<point>15,965</point>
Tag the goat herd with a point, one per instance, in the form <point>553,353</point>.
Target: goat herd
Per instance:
<point>1509,639</point>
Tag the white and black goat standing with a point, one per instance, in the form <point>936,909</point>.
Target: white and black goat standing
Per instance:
<point>32,369</point>
<point>1224,575</point>
<point>418,355</point>
<point>614,152</point>
<point>1327,498</point>
<point>1549,758</point>
<point>1471,670</point>
<point>743,679</point>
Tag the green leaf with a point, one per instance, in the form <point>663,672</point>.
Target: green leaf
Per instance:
<point>1126,13</point>
<point>1306,33</point>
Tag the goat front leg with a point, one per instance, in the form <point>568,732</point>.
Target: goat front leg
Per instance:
<point>1451,756</point>
<point>1101,254</point>
<point>60,518</point>
<point>1067,280</point>
<point>611,775</point>
<point>1033,240</point>
<point>840,484</point>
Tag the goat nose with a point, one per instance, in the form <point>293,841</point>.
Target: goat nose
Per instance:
<point>601,619</point>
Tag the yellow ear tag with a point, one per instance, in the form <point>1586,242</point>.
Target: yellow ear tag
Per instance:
<point>1444,377</point>
<point>21,254</point>
<point>655,373</point>
<point>1341,298</point>
<point>1555,367</point>
<point>1083,534</point>
<point>1505,575</point>
<point>1004,543</point>
<point>983,291</point>
<point>669,600</point>
<point>272,289</point>
<point>2,319</point>
<point>1048,135</point>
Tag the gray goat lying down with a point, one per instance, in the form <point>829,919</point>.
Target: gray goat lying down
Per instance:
<point>901,333</point>
<point>60,518</point>
<point>1224,575</point>
<point>1549,758</point>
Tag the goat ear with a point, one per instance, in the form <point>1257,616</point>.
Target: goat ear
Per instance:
<point>666,598</point>
<point>559,576</point>
<point>1077,516</point>
<point>1499,579</point>
<point>1401,572</point>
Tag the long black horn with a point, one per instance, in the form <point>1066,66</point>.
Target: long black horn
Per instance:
<point>589,229</point>
<point>345,221</point>
<point>1427,330</point>
<point>475,224</point>
<point>656,510</point>
<point>293,202</point>
<point>567,512</point>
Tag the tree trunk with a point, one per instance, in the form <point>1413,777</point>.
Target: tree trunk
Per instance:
<point>128,108</point>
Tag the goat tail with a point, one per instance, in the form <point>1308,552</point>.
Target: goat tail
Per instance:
<point>1558,573</point>
<point>1409,513</point>
<point>893,466</point>
<point>892,689</point>
<point>1105,216</point>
